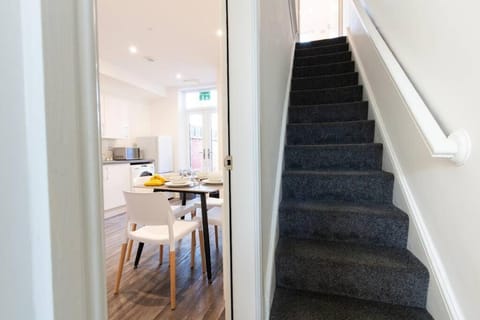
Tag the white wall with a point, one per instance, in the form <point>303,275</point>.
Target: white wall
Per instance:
<point>165,121</point>
<point>137,102</point>
<point>318,19</point>
<point>16,299</point>
<point>433,42</point>
<point>276,45</point>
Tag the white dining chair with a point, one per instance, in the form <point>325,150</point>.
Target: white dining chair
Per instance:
<point>214,216</point>
<point>153,213</point>
<point>178,211</point>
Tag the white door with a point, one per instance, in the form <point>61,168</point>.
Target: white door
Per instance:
<point>202,136</point>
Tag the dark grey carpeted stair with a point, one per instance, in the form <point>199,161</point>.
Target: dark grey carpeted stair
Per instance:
<point>344,222</point>
<point>342,249</point>
<point>324,69</point>
<point>325,82</point>
<point>348,111</point>
<point>322,59</point>
<point>296,305</point>
<point>329,95</point>
<point>332,48</point>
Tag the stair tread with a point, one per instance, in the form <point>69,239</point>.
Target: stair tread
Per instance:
<point>345,207</point>
<point>337,172</point>
<point>325,89</point>
<point>323,42</point>
<point>293,304</point>
<point>331,54</point>
<point>333,146</point>
<point>324,76</point>
<point>331,123</point>
<point>323,65</point>
<point>338,253</point>
<point>325,46</point>
<point>339,104</point>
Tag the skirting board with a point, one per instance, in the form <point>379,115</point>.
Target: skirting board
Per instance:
<point>114,212</point>
<point>437,272</point>
<point>269,285</point>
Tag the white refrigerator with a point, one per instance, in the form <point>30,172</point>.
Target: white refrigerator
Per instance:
<point>160,149</point>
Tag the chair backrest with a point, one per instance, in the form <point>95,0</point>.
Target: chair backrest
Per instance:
<point>148,208</point>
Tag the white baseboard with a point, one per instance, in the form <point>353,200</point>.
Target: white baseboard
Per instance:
<point>114,212</point>
<point>432,260</point>
<point>269,285</point>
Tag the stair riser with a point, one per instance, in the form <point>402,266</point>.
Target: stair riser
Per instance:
<point>354,157</point>
<point>309,134</point>
<point>352,227</point>
<point>387,285</point>
<point>344,80</point>
<point>375,188</point>
<point>328,113</point>
<point>321,70</point>
<point>343,47</point>
<point>337,95</point>
<point>322,59</point>
<point>320,43</point>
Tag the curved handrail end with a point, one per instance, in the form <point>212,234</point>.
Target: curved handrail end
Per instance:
<point>464,146</point>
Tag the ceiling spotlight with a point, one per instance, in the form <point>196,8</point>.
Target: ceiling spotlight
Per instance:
<point>178,76</point>
<point>219,33</point>
<point>132,49</point>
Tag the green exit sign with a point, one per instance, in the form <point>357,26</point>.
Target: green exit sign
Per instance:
<point>204,95</point>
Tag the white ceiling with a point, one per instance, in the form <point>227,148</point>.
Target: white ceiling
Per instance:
<point>180,35</point>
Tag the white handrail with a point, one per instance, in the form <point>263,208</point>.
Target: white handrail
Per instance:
<point>457,145</point>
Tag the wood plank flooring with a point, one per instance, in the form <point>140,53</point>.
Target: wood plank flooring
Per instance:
<point>145,292</point>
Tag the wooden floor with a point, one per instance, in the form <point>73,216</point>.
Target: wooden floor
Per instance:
<point>145,292</point>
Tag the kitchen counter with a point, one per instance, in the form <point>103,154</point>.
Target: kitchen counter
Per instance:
<point>139,161</point>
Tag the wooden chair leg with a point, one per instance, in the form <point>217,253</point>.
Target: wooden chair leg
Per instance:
<point>161,254</point>
<point>173,284</point>
<point>194,214</point>
<point>202,250</point>
<point>192,251</point>
<point>216,237</point>
<point>130,243</point>
<point>121,262</point>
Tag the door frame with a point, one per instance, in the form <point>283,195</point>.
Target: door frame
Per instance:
<point>66,60</point>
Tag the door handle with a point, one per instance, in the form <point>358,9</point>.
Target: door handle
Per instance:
<point>209,153</point>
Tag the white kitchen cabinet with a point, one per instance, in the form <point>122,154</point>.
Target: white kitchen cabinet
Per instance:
<point>116,179</point>
<point>114,117</point>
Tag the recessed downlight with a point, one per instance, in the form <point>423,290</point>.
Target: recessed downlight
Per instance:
<point>132,49</point>
<point>178,76</point>
<point>219,33</point>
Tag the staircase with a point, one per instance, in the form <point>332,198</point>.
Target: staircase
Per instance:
<point>342,249</point>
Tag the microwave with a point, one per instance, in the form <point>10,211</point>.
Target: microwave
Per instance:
<point>126,153</point>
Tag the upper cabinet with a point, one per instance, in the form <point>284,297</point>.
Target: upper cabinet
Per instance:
<point>114,117</point>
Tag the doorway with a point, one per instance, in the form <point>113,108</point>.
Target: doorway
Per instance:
<point>161,81</point>
<point>320,19</point>
<point>200,107</point>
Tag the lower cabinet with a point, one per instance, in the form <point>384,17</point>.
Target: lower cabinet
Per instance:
<point>116,179</point>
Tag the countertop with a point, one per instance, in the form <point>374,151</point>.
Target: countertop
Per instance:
<point>139,161</point>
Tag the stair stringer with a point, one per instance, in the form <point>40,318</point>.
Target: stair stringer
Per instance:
<point>269,283</point>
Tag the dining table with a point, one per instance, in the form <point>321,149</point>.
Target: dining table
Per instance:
<point>202,189</point>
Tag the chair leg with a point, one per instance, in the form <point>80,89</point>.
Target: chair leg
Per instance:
<point>202,250</point>
<point>130,243</point>
<point>121,262</point>
<point>173,284</point>
<point>192,251</point>
<point>139,254</point>
<point>194,214</point>
<point>216,237</point>
<point>161,254</point>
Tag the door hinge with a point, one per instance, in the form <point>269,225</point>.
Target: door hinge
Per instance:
<point>228,163</point>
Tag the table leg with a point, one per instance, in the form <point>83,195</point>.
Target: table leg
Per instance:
<point>206,236</point>
<point>184,198</point>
